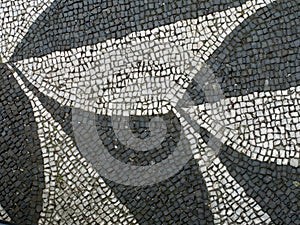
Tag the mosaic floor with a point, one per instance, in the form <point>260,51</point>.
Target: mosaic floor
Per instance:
<point>154,112</point>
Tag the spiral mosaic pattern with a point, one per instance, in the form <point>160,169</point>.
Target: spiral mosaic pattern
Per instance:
<point>150,112</point>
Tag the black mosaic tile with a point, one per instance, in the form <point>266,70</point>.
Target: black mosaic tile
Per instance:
<point>71,24</point>
<point>266,45</point>
<point>140,127</point>
<point>182,199</point>
<point>21,170</point>
<point>271,185</point>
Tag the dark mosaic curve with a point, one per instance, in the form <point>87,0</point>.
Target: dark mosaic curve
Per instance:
<point>271,185</point>
<point>182,199</point>
<point>140,128</point>
<point>262,54</point>
<point>21,162</point>
<point>70,24</point>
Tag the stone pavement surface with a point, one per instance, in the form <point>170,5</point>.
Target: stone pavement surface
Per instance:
<point>178,112</point>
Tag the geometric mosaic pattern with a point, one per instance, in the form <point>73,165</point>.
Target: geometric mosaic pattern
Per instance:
<point>150,112</point>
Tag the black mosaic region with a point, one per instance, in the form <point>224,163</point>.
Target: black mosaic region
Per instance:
<point>140,127</point>
<point>71,51</point>
<point>21,159</point>
<point>90,22</point>
<point>271,185</point>
<point>266,46</point>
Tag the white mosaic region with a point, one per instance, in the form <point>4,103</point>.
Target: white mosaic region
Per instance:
<point>157,112</point>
